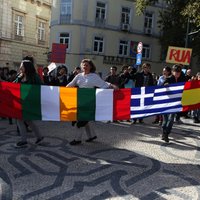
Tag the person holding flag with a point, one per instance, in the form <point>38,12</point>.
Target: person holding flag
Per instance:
<point>168,119</point>
<point>87,79</point>
<point>27,75</point>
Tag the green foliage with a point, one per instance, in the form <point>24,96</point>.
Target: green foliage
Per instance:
<point>192,10</point>
<point>173,23</point>
<point>142,4</point>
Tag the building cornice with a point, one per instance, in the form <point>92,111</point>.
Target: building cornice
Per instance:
<point>42,18</point>
<point>108,28</point>
<point>19,10</point>
<point>25,44</point>
<point>41,2</point>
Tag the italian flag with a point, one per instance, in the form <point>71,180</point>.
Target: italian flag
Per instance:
<point>52,103</point>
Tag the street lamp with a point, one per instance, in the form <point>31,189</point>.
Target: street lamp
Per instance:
<point>187,32</point>
<point>194,32</point>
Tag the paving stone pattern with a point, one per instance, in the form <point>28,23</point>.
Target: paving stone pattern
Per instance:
<point>125,162</point>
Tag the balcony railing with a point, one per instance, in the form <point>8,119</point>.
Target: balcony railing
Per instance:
<point>100,22</point>
<point>65,19</point>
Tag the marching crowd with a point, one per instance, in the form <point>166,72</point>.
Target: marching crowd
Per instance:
<point>85,76</point>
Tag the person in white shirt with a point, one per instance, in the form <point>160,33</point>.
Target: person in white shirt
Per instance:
<point>87,79</point>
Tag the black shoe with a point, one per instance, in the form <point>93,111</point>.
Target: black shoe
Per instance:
<point>155,122</point>
<point>21,144</point>
<point>196,120</point>
<point>73,123</point>
<point>187,117</point>
<point>166,139</point>
<point>75,142</point>
<point>91,139</point>
<point>160,123</point>
<point>28,129</point>
<point>165,136</point>
<point>39,140</point>
<point>134,121</point>
<point>141,121</point>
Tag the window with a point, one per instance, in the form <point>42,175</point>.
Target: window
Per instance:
<point>65,11</point>
<point>148,21</point>
<point>125,16</point>
<point>101,10</point>
<point>98,44</point>
<point>65,39</point>
<point>41,31</point>
<point>146,51</point>
<point>123,48</point>
<point>19,25</point>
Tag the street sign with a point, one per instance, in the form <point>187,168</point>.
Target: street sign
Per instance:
<point>139,59</point>
<point>139,47</point>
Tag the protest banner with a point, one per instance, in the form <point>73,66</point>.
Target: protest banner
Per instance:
<point>178,55</point>
<point>58,54</point>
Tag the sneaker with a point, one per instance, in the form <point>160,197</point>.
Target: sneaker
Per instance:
<point>39,140</point>
<point>91,139</point>
<point>21,144</point>
<point>75,142</point>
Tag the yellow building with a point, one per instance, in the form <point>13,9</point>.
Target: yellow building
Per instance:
<point>24,30</point>
<point>107,31</point>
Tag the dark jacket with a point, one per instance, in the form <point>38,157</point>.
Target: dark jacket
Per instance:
<point>172,79</point>
<point>142,79</point>
<point>115,80</point>
<point>124,79</point>
<point>32,80</point>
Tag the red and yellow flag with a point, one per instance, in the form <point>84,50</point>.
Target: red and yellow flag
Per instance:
<point>191,96</point>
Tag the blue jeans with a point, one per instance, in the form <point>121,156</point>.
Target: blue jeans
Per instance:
<point>168,121</point>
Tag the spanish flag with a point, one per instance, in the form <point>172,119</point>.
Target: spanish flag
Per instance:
<point>191,96</point>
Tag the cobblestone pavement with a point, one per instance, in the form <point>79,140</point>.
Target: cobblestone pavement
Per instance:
<point>125,162</point>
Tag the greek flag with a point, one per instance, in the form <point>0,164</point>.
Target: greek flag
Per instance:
<point>148,101</point>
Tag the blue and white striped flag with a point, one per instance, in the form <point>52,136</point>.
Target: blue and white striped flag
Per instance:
<point>148,101</point>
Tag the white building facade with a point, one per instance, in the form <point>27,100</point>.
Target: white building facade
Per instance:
<point>106,31</point>
<point>24,31</point>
